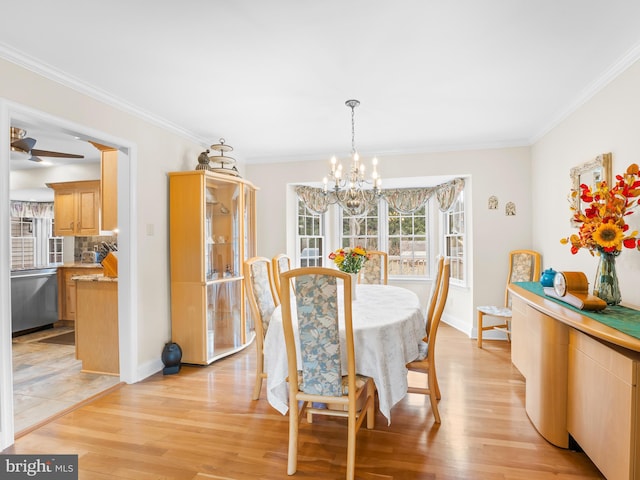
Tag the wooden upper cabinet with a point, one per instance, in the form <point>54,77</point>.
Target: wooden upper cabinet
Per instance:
<point>76,208</point>
<point>108,186</point>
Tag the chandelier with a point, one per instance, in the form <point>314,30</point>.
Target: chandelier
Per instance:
<point>350,190</point>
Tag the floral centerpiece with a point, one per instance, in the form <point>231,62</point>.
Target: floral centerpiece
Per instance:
<point>602,227</point>
<point>349,260</point>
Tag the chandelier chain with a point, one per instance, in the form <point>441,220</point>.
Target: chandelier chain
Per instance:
<point>353,129</point>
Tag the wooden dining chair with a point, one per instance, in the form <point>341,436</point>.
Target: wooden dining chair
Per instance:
<point>431,306</point>
<point>318,378</point>
<point>426,361</point>
<point>435,289</point>
<point>375,269</point>
<point>280,263</point>
<point>524,266</point>
<point>263,300</point>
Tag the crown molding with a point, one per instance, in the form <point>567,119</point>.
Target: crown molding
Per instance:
<point>40,68</point>
<point>615,70</point>
<point>427,149</point>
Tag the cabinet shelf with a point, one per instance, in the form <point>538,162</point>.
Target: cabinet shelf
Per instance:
<point>209,315</point>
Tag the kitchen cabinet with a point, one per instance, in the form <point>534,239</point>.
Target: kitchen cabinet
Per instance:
<point>108,186</point>
<point>76,208</point>
<point>97,343</point>
<point>67,288</point>
<point>212,232</point>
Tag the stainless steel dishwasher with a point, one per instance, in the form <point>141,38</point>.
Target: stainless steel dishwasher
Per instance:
<point>34,298</point>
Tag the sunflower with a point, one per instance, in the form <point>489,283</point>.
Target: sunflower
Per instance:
<point>608,236</point>
<point>602,225</point>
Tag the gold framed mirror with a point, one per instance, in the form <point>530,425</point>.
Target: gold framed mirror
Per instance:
<point>589,173</point>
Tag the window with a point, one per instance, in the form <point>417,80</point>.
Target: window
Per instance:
<point>310,237</point>
<point>360,231</point>
<point>23,243</point>
<point>411,240</point>
<point>403,236</point>
<point>54,244</point>
<point>33,244</point>
<point>454,233</point>
<point>408,243</point>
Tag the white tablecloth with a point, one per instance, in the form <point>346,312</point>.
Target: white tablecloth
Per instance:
<point>387,323</point>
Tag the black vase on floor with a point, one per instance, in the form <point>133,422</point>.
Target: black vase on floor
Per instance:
<point>171,356</point>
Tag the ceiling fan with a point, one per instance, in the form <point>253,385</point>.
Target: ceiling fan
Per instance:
<point>21,143</point>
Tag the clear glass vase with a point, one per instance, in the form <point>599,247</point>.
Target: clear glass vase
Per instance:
<point>606,284</point>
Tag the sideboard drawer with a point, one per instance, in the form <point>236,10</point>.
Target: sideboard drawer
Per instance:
<point>602,407</point>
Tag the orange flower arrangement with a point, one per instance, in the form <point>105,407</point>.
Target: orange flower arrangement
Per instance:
<point>602,225</point>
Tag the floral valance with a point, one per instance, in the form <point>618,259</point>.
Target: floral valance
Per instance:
<point>31,209</point>
<point>404,200</point>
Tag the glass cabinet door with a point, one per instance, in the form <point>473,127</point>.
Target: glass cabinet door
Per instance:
<point>222,267</point>
<point>249,251</point>
<point>224,323</point>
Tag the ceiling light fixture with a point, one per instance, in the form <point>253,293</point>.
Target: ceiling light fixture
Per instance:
<point>351,190</point>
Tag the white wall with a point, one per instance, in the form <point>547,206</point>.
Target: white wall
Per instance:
<point>38,178</point>
<point>501,172</point>
<point>608,122</point>
<point>158,151</point>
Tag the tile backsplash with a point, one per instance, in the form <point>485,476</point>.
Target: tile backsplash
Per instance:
<point>88,244</point>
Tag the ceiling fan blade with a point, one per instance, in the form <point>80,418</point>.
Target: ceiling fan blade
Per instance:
<point>46,153</point>
<point>24,144</point>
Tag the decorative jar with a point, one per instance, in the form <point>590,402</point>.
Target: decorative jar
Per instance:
<point>546,279</point>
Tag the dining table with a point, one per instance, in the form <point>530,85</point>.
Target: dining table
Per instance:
<point>388,324</point>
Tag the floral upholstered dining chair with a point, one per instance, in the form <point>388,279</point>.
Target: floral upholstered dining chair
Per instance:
<point>319,375</point>
<point>263,300</point>
<point>375,269</point>
<point>280,263</point>
<point>524,266</point>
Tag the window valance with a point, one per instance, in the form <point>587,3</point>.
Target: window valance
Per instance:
<point>31,209</point>
<point>404,200</point>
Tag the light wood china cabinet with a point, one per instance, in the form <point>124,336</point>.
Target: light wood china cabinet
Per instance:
<point>212,232</point>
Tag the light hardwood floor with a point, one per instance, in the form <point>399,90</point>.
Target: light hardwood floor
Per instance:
<point>202,424</point>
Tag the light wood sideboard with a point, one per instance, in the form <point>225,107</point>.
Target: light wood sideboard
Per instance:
<point>581,381</point>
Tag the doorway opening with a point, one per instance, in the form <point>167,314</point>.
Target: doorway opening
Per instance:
<point>26,351</point>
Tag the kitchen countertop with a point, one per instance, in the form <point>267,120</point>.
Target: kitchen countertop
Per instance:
<point>97,277</point>
<point>80,265</point>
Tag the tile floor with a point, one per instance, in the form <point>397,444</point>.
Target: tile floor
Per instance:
<point>47,379</point>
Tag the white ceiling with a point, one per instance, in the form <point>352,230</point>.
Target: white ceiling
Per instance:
<point>271,77</point>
